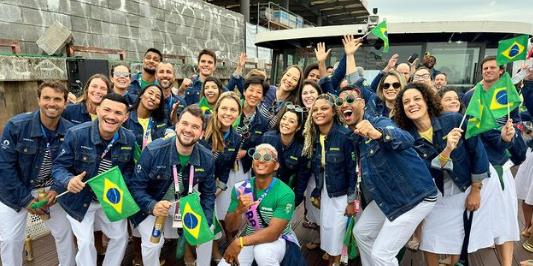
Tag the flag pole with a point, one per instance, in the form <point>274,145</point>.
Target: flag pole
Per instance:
<point>462,121</point>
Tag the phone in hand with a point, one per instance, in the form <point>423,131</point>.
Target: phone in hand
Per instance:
<point>412,58</point>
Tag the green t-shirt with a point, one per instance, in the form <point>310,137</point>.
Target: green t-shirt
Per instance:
<point>169,195</point>
<point>279,203</point>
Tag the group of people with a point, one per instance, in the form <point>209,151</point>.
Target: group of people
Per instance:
<point>391,152</point>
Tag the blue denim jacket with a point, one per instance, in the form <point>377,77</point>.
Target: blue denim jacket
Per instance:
<point>80,152</point>
<point>392,172</point>
<point>22,150</point>
<point>169,102</point>
<point>339,170</point>
<point>292,164</point>
<point>157,128</point>
<point>527,93</point>
<point>224,162</point>
<point>153,176</point>
<point>252,138</point>
<point>499,151</point>
<point>77,113</point>
<point>469,161</point>
<point>330,84</point>
<point>135,85</point>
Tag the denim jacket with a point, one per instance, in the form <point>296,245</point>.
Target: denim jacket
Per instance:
<point>292,164</point>
<point>339,171</point>
<point>330,84</point>
<point>157,128</point>
<point>252,137</point>
<point>153,177</point>
<point>169,102</point>
<point>22,150</point>
<point>80,152</point>
<point>469,161</point>
<point>499,151</point>
<point>392,172</point>
<point>224,161</point>
<point>135,85</point>
<point>77,113</point>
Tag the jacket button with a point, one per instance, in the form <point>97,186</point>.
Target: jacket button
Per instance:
<point>425,155</point>
<point>85,158</point>
<point>371,151</point>
<point>387,137</point>
<point>85,205</point>
<point>25,150</point>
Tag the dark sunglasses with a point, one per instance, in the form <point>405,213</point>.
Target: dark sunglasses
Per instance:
<point>395,85</point>
<point>349,99</point>
<point>264,157</point>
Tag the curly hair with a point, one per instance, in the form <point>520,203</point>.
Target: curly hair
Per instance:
<point>431,99</point>
<point>213,132</point>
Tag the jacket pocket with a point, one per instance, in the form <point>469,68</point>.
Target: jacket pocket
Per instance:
<point>27,147</point>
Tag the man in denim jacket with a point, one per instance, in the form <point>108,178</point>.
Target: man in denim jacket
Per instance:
<point>396,182</point>
<point>88,150</point>
<point>163,175</point>
<point>30,142</point>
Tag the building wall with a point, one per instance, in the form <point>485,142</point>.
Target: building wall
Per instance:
<point>178,27</point>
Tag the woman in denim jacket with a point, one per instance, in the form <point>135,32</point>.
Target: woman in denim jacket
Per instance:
<point>459,167</point>
<point>328,145</point>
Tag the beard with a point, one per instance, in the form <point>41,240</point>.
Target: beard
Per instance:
<point>149,70</point>
<point>187,144</point>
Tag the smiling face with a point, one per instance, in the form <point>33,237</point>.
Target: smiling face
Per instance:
<point>189,129</point>
<point>490,71</point>
<point>151,98</point>
<point>111,115</point>
<point>323,112</point>
<point>51,103</point>
<point>262,168</point>
<point>290,79</point>
<point>206,65</point>
<point>314,75</point>
<point>165,75</point>
<point>96,91</point>
<point>253,95</point>
<point>150,62</point>
<point>211,92</point>
<point>390,87</point>
<point>227,112</point>
<point>121,78</point>
<point>450,102</point>
<point>423,76</point>
<point>309,95</point>
<point>289,123</point>
<point>414,105</point>
<point>351,112</point>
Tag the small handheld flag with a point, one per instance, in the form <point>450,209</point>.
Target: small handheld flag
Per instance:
<point>502,97</point>
<point>513,49</point>
<point>113,194</point>
<point>481,119</point>
<point>195,227</point>
<point>204,105</point>
<point>381,32</point>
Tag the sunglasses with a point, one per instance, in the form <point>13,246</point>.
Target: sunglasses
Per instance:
<point>294,107</point>
<point>349,99</point>
<point>395,85</point>
<point>264,157</point>
<point>121,74</point>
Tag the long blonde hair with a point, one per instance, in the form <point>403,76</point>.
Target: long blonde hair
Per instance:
<point>213,132</point>
<point>310,129</point>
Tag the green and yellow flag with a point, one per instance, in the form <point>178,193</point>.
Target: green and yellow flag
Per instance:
<point>513,49</point>
<point>204,105</point>
<point>481,119</point>
<point>380,31</point>
<point>502,97</point>
<point>113,194</point>
<point>195,227</point>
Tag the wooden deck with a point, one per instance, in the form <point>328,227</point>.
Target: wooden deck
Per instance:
<point>45,252</point>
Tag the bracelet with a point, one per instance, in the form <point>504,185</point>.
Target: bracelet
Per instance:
<point>442,158</point>
<point>241,242</point>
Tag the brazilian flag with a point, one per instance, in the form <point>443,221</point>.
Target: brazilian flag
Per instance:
<point>481,119</point>
<point>513,49</point>
<point>195,227</point>
<point>204,105</point>
<point>113,195</point>
<point>381,32</point>
<point>502,97</point>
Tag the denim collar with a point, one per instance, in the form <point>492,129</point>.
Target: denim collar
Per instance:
<point>36,126</point>
<point>194,158</point>
<point>95,134</point>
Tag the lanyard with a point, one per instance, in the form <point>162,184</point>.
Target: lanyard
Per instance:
<point>148,133</point>
<point>46,137</point>
<point>108,148</point>
<point>251,215</point>
<point>170,102</point>
<point>178,177</point>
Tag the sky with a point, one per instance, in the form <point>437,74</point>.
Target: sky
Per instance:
<point>439,10</point>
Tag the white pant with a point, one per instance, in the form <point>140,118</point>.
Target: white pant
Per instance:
<point>379,239</point>
<point>151,251</point>
<point>13,225</point>
<point>267,254</point>
<point>117,232</point>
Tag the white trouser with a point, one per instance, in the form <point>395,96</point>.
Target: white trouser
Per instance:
<point>12,228</point>
<point>117,232</point>
<point>151,251</point>
<point>267,254</point>
<point>379,240</point>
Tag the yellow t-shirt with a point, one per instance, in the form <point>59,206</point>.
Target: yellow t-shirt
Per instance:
<point>323,151</point>
<point>93,117</point>
<point>144,123</point>
<point>428,134</point>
